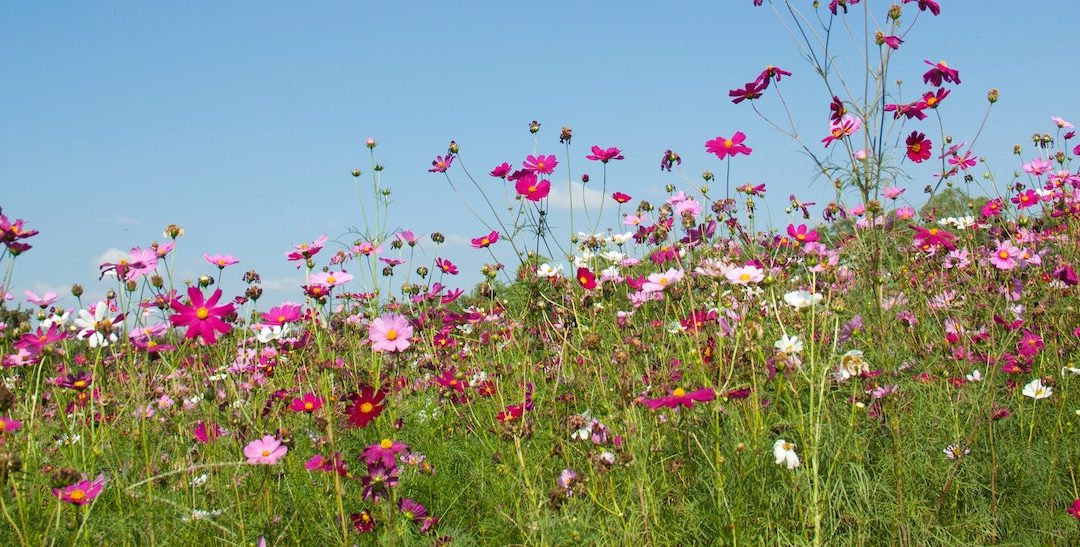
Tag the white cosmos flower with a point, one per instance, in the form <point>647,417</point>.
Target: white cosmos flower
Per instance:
<point>802,299</point>
<point>547,270</point>
<point>1036,390</point>
<point>789,345</point>
<point>620,239</point>
<point>975,376</point>
<point>94,327</point>
<point>271,333</point>
<point>785,454</point>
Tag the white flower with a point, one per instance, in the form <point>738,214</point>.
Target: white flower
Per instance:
<point>619,239</point>
<point>802,299</point>
<point>547,270</point>
<point>956,451</point>
<point>59,320</point>
<point>851,364</point>
<point>271,333</point>
<point>789,345</point>
<point>612,256</point>
<point>975,376</point>
<point>97,329</point>
<point>200,480</point>
<point>1071,370</point>
<point>785,454</point>
<point>1036,390</point>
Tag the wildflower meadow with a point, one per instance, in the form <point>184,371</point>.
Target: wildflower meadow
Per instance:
<point>891,358</point>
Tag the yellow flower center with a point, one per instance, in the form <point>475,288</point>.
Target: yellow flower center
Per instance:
<point>744,277</point>
<point>202,313</point>
<point>728,143</point>
<point>1003,254</point>
<point>366,407</point>
<point>800,237</point>
<point>391,334</point>
<point>386,443</point>
<point>916,147</point>
<point>281,318</point>
<point>931,101</point>
<point>79,384</point>
<point>679,392</point>
<point>265,453</point>
<point>933,231</point>
<point>540,165</point>
<point>331,280</point>
<point>532,188</point>
<point>77,495</point>
<point>309,405</point>
<point>3,426</point>
<point>221,262</point>
<point>485,241</point>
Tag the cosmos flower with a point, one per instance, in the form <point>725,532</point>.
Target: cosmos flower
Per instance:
<point>784,452</point>
<point>528,187</point>
<point>724,147</point>
<point>365,406</point>
<point>483,242</point>
<point>919,148</point>
<point>80,493</point>
<point>391,332</point>
<point>604,155</point>
<point>203,318</point>
<point>267,451</point>
<point>221,261</point>
<point>680,397</point>
<point>543,165</point>
<point>1036,390</point>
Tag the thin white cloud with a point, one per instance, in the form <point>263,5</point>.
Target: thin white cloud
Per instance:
<point>125,220</point>
<point>583,196</point>
<point>110,255</point>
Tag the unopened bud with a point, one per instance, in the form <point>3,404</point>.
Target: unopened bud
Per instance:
<point>131,285</point>
<point>534,127</point>
<point>205,281</point>
<point>156,281</point>
<point>453,148</point>
<point>254,292</point>
<point>370,142</point>
<point>378,167</point>
<point>422,271</point>
<point>894,12</point>
<point>707,176</point>
<point>437,237</point>
<point>76,290</point>
<point>357,172</point>
<point>993,95</point>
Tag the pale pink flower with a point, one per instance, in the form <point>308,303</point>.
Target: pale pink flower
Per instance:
<point>266,450</point>
<point>391,332</point>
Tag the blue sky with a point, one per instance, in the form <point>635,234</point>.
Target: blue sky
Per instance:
<point>242,120</point>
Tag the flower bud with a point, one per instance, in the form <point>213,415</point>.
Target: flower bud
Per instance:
<point>253,292</point>
<point>370,142</point>
<point>76,290</point>
<point>378,167</point>
<point>993,95</point>
<point>156,281</point>
<point>1016,149</point>
<point>534,127</point>
<point>585,178</point>
<point>453,148</point>
<point>704,189</point>
<point>357,172</point>
<point>205,281</point>
<point>565,135</point>
<point>670,188</point>
<point>894,12</point>
<point>173,231</point>
<point>707,176</point>
<point>437,237</point>
<point>422,271</point>
<point>131,285</point>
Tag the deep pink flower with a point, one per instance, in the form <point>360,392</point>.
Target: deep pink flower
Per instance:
<point>7,425</point>
<point>531,189</point>
<point>892,41</point>
<point>391,332</point>
<point>586,278</point>
<point>723,147</point>
<point>308,403</point>
<point>206,432</point>
<point>600,154</point>
<point>1025,199</point>
<point>933,237</point>
<point>279,315</point>
<point>1030,344</point>
<point>802,234</point>
<point>843,4</point>
<point>80,493</point>
<point>384,451</point>
<point>203,317</point>
<point>304,251</point>
<point>500,171</point>
<point>940,72</point>
<point>485,241</point>
<point>620,197</point>
<point>446,266</point>
<point>680,397</point>
<point>748,92</point>
<point>848,125</point>
<point>1074,509</point>
<point>927,5</point>
<point>541,164</point>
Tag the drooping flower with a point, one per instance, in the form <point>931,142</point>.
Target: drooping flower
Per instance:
<point>266,451</point>
<point>940,72</point>
<point>391,332</point>
<point>500,171</point>
<point>203,318</point>
<point>412,510</point>
<point>724,147</point>
<point>365,406</point>
<point>749,92</point>
<point>924,5</point>
<point>620,197</point>
<point>784,452</point>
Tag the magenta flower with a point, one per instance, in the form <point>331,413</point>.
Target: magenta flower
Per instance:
<point>308,403</point>
<point>927,5</point>
<point>304,251</point>
<point>80,493</point>
<point>266,451</point>
<point>600,154</point>
<point>531,189</point>
<point>940,72</point>
<point>892,41</point>
<point>440,164</point>
<point>1038,166</point>
<point>501,171</point>
<point>802,234</point>
<point>8,425</point>
<point>485,241</point>
<point>412,510</point>
<point>848,125</point>
<point>1025,199</point>
<point>541,164</point>
<point>680,397</point>
<point>723,147</point>
<point>221,261</point>
<point>279,315</point>
<point>919,147</point>
<point>391,332</point>
<point>749,92</point>
<point>203,317</point>
<point>384,451</point>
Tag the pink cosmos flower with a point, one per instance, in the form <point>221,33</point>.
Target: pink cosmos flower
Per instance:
<point>745,275</point>
<point>266,451</point>
<point>446,266</point>
<point>723,147</point>
<point>918,147</point>
<point>905,213</point>
<point>600,154</point>
<point>924,5</point>
<point>203,317</point>
<point>221,261</point>
<point>485,241</point>
<point>303,251</point>
<point>8,425</point>
<point>1038,166</point>
<point>657,282</point>
<point>48,299</point>
<point>391,332</point>
<point>541,164</point>
<point>331,279</point>
<point>802,234</point>
<point>279,315</point>
<point>384,451</point>
<point>80,493</point>
<point>680,397</point>
<point>1005,256</point>
<point>892,41</point>
<point>848,125</point>
<point>893,192</point>
<point>531,189</point>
